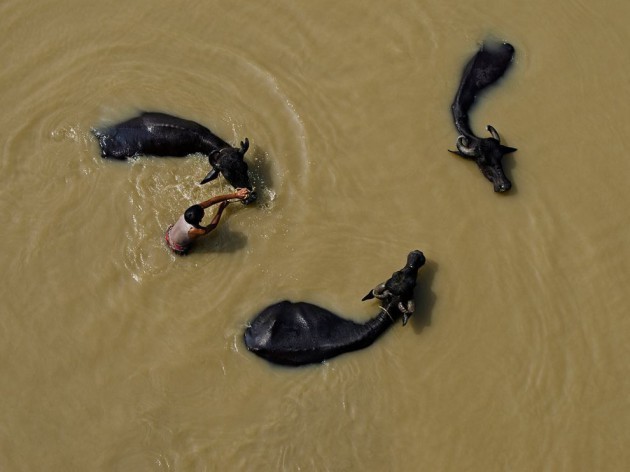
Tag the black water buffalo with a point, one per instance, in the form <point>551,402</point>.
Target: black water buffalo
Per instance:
<point>300,333</point>
<point>159,134</point>
<point>486,67</point>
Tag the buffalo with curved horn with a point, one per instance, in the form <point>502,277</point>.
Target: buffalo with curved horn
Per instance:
<point>301,333</point>
<point>159,134</point>
<point>486,67</point>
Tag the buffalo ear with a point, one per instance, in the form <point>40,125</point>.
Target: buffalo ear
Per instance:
<point>369,296</point>
<point>507,149</point>
<point>213,156</point>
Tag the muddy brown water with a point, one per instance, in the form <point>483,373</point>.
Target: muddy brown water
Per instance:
<point>116,355</point>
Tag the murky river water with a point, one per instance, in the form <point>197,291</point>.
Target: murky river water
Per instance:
<point>116,355</point>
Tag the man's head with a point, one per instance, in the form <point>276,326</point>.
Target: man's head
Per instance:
<point>194,215</point>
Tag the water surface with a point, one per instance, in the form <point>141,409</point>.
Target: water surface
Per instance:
<point>116,355</point>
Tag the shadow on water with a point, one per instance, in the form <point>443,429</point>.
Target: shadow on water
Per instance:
<point>221,240</point>
<point>425,298</point>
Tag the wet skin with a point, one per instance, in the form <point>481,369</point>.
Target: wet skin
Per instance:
<point>294,334</point>
<point>159,134</point>
<point>486,67</point>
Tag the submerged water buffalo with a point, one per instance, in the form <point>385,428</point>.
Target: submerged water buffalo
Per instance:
<point>160,134</point>
<point>301,333</point>
<point>486,67</point>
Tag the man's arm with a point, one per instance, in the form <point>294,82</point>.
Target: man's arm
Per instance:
<point>203,230</point>
<point>240,194</point>
<point>215,221</point>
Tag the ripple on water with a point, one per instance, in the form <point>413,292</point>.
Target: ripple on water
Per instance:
<point>133,202</point>
<point>158,190</point>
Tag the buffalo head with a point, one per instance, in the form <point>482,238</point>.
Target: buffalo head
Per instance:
<point>397,292</point>
<point>230,162</point>
<point>488,154</point>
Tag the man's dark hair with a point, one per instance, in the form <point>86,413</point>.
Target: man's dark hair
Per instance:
<point>193,215</point>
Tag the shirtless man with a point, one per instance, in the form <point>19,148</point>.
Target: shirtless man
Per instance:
<point>180,236</point>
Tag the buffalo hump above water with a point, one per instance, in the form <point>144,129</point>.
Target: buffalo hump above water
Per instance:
<point>298,333</point>
<point>160,134</point>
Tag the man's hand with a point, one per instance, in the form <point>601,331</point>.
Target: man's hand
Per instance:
<point>242,193</point>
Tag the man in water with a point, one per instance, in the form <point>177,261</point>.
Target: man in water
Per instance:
<point>180,236</point>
